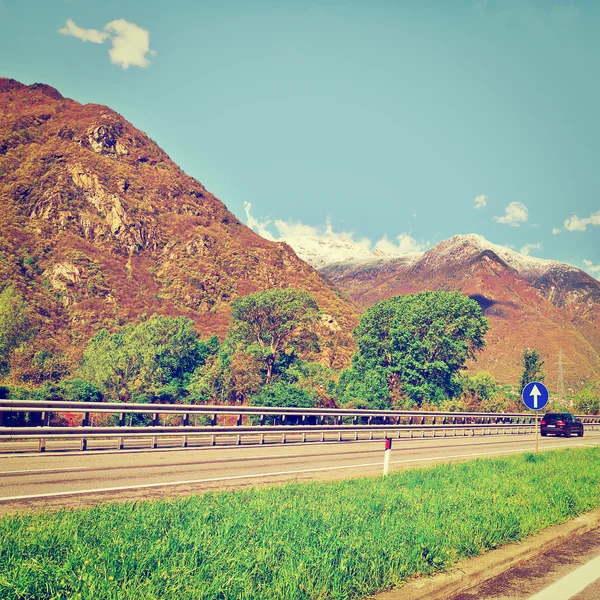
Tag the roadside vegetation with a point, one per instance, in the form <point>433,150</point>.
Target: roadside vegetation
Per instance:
<point>411,354</point>
<point>343,540</point>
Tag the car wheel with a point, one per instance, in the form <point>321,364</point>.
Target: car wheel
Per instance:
<point>568,432</point>
<point>581,432</point>
<point>543,434</point>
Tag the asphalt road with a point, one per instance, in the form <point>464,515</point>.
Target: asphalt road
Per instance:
<point>568,571</point>
<point>33,480</point>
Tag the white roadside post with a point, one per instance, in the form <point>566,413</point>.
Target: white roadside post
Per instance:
<point>386,456</point>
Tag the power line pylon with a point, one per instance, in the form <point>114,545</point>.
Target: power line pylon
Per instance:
<point>561,381</point>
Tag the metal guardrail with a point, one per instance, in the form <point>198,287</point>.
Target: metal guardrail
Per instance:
<point>296,420</point>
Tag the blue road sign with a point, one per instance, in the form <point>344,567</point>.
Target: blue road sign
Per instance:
<point>535,395</point>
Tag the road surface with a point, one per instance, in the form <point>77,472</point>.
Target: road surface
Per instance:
<point>34,480</point>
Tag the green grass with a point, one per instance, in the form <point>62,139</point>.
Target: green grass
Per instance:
<point>345,539</point>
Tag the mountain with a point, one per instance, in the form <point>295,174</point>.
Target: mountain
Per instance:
<point>530,302</point>
<point>99,226</point>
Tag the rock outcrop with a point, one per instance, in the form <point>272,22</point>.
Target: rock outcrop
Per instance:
<point>98,226</point>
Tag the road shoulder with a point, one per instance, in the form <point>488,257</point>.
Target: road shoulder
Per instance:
<point>469,573</point>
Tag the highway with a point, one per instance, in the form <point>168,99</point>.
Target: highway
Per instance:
<point>30,480</point>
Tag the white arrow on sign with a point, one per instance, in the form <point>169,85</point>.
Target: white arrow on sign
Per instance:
<point>535,392</point>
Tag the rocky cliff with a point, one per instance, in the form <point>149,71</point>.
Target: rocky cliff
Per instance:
<point>99,226</point>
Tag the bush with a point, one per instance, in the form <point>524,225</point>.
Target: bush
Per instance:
<point>285,395</point>
<point>587,400</point>
<point>453,405</point>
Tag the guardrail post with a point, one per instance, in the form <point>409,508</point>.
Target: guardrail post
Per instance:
<point>239,420</point>
<point>213,421</point>
<point>44,420</point>
<point>85,423</point>
<point>155,423</point>
<point>262,419</point>
<point>122,422</point>
<point>186,423</point>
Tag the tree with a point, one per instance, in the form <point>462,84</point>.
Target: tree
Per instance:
<point>283,394</point>
<point>15,325</point>
<point>148,361</point>
<point>419,343</point>
<point>477,388</point>
<point>276,321</point>
<point>587,400</point>
<point>532,368</point>
<point>242,377</point>
<point>363,390</point>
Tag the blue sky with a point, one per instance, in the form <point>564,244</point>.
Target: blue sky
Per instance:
<point>383,118</point>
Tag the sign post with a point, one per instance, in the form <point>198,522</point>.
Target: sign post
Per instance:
<point>535,396</point>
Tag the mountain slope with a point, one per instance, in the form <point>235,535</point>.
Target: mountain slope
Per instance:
<point>530,302</point>
<point>98,226</point>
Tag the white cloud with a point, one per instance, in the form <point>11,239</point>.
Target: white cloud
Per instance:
<point>591,268</point>
<point>527,248</point>
<point>297,234</point>
<point>259,226</point>
<point>516,213</point>
<point>556,231</point>
<point>85,35</point>
<point>480,201</point>
<point>575,223</point>
<point>405,244</point>
<point>130,42</point>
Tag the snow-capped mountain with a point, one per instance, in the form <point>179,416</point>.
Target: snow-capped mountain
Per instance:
<point>530,302</point>
<point>320,252</point>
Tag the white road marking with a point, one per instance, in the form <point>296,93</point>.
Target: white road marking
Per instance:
<point>252,476</point>
<point>572,584</point>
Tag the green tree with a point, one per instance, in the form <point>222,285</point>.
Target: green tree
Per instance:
<point>587,400</point>
<point>419,343</point>
<point>315,378</point>
<point>283,394</point>
<point>73,390</point>
<point>532,368</point>
<point>368,389</point>
<point>477,388</point>
<point>149,361</point>
<point>277,322</point>
<point>15,325</point>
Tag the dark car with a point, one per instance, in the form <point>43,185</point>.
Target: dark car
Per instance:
<point>561,424</point>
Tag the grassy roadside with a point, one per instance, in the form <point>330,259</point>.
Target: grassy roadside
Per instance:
<point>345,539</point>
